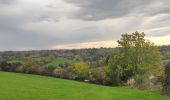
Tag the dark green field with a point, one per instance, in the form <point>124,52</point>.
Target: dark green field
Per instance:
<point>15,86</point>
<point>51,63</point>
<point>58,61</point>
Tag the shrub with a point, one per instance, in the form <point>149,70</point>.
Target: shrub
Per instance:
<point>63,72</point>
<point>99,75</point>
<point>58,72</point>
<point>32,66</point>
<point>142,81</point>
<point>11,67</point>
<point>166,88</point>
<point>81,70</point>
<point>36,69</point>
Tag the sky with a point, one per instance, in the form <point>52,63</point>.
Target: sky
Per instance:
<point>68,24</point>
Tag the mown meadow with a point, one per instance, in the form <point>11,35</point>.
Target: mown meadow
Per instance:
<point>16,86</point>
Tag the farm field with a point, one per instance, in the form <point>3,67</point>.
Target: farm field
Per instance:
<point>50,63</point>
<point>15,86</point>
<point>58,61</point>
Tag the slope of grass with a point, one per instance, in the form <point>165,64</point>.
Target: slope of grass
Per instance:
<point>15,86</point>
<point>58,61</point>
<point>15,61</point>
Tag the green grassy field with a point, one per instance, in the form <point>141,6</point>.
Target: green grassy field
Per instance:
<point>54,63</point>
<point>15,86</point>
<point>16,61</point>
<point>58,61</point>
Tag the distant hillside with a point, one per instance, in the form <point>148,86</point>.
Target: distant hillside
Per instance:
<point>92,54</point>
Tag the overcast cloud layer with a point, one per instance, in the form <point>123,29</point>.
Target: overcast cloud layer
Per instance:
<point>51,24</point>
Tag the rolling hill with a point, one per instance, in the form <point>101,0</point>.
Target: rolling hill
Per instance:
<point>14,86</point>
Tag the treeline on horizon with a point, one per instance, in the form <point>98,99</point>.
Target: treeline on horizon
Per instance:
<point>136,62</point>
<point>10,55</point>
<point>164,49</point>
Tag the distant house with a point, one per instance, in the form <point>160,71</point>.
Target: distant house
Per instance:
<point>64,55</point>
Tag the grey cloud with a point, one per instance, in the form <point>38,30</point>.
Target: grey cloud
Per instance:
<point>7,1</point>
<point>104,9</point>
<point>47,18</point>
<point>26,40</point>
<point>41,27</point>
<point>18,39</point>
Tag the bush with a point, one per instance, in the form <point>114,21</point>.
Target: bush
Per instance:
<point>58,72</point>
<point>36,69</point>
<point>142,81</point>
<point>81,70</point>
<point>10,67</point>
<point>63,72</point>
<point>32,66</point>
<point>166,88</point>
<point>99,75</point>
